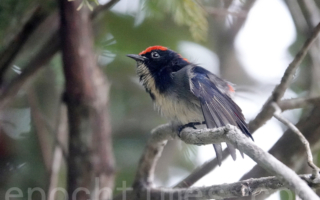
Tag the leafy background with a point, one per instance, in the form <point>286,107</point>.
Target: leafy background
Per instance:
<point>197,29</point>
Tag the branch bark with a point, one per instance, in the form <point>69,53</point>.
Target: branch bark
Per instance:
<point>267,111</point>
<point>90,160</point>
<point>9,53</point>
<point>289,154</point>
<point>249,188</point>
<point>303,140</point>
<point>44,55</point>
<point>289,104</point>
<point>208,136</point>
<point>265,114</point>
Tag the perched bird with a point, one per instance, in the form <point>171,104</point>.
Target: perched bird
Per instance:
<point>188,94</point>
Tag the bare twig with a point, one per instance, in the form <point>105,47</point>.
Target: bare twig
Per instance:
<point>304,141</point>
<point>46,52</point>
<point>9,53</point>
<point>250,187</point>
<point>207,167</point>
<point>224,134</point>
<point>313,13</point>
<point>104,7</point>
<point>267,110</point>
<point>41,130</point>
<point>59,149</point>
<point>152,152</point>
<point>234,136</point>
<point>289,104</point>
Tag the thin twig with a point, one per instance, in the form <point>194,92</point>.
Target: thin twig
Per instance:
<point>250,187</point>
<point>234,136</point>
<point>289,104</point>
<point>40,129</point>
<point>267,110</point>
<point>304,141</point>
<point>44,55</point>
<point>104,7</point>
<point>151,154</point>
<point>9,53</point>
<point>312,12</point>
<point>58,153</point>
<point>36,63</point>
<point>224,134</point>
<point>207,167</point>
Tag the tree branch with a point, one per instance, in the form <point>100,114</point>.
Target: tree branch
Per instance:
<point>90,158</point>
<point>267,110</point>
<point>304,141</point>
<point>208,166</point>
<point>44,55</point>
<point>265,160</point>
<point>250,187</point>
<point>151,154</point>
<point>208,136</point>
<point>8,54</point>
<point>40,59</point>
<point>101,8</point>
<point>59,151</point>
<point>289,104</point>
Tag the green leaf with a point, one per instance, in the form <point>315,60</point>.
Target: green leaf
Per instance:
<point>184,12</point>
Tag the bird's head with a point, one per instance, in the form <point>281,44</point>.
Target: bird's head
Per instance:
<point>156,58</point>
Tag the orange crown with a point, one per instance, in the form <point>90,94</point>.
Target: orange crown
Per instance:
<point>149,49</point>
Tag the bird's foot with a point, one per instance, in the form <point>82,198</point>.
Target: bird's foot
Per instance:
<point>190,125</point>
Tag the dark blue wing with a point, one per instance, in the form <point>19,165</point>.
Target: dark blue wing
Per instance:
<point>217,107</point>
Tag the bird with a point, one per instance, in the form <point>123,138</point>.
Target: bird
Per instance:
<point>188,94</point>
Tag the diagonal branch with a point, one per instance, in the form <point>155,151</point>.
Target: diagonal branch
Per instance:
<point>101,8</point>
<point>228,134</point>
<point>250,187</point>
<point>208,166</point>
<point>151,154</point>
<point>289,104</point>
<point>267,110</point>
<point>8,54</point>
<point>44,55</point>
<point>234,136</point>
<point>304,141</point>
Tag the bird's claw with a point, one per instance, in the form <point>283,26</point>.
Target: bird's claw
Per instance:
<point>191,125</point>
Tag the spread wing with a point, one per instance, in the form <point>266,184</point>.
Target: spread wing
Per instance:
<point>217,107</point>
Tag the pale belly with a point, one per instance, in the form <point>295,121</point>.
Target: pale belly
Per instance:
<point>178,110</point>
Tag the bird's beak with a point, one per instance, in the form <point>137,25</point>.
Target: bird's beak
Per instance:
<point>136,57</point>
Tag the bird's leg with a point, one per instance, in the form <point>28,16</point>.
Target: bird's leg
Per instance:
<point>191,125</point>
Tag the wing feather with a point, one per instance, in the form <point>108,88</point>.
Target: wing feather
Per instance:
<point>217,107</point>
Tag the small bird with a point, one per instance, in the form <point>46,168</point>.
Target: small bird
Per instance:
<point>187,94</point>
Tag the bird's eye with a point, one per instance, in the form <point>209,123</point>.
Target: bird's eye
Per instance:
<point>155,55</point>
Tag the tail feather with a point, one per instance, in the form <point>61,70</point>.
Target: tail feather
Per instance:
<point>232,151</point>
<point>218,149</point>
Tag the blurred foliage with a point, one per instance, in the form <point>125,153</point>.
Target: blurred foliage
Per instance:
<point>14,13</point>
<point>167,23</point>
<point>287,195</point>
<point>87,3</point>
<point>184,12</point>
